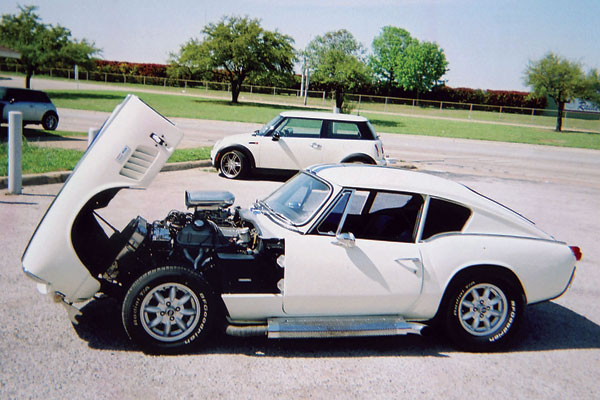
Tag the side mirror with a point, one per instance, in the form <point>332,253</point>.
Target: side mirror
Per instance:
<point>275,136</point>
<point>345,239</point>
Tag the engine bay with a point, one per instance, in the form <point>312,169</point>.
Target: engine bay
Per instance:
<point>221,242</point>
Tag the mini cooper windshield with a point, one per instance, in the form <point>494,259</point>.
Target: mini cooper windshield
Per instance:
<point>269,126</point>
<point>297,200</point>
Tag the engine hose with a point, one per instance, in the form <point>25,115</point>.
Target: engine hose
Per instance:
<point>246,330</point>
<point>192,260</point>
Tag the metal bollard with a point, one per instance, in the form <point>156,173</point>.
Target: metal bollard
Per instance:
<point>92,132</point>
<point>15,144</point>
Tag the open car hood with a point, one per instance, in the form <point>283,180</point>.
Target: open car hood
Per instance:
<point>131,148</point>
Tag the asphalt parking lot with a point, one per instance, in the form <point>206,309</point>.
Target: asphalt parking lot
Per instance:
<point>558,355</point>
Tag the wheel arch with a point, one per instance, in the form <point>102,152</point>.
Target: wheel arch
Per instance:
<point>498,270</point>
<point>359,157</point>
<point>243,149</point>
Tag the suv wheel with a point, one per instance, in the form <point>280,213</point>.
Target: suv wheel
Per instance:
<point>50,121</point>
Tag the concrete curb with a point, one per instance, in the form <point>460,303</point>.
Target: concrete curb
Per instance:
<point>59,177</point>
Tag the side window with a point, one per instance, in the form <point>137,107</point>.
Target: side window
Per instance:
<point>387,216</point>
<point>13,94</point>
<point>38,97</point>
<point>299,127</point>
<point>343,130</point>
<point>444,216</point>
<point>355,205</point>
<point>392,217</point>
<point>330,224</point>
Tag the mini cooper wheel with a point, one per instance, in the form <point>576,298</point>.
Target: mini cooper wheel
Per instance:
<point>483,312</point>
<point>168,310</point>
<point>233,164</point>
<point>50,121</point>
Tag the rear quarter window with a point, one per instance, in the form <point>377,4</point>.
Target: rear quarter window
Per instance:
<point>444,216</point>
<point>344,130</point>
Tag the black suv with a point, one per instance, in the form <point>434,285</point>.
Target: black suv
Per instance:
<point>36,106</point>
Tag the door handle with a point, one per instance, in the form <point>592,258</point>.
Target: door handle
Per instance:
<point>315,145</point>
<point>417,264</point>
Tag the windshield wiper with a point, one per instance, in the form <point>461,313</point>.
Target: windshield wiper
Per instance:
<point>262,204</point>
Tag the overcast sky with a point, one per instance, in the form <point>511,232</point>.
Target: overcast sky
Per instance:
<point>487,43</point>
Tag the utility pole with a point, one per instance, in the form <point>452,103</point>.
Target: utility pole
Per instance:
<point>306,88</point>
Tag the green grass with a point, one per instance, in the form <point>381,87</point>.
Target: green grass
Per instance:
<point>170,105</point>
<point>483,131</point>
<point>198,153</point>
<point>37,159</point>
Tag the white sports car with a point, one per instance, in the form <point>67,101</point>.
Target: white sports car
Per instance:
<point>338,250</point>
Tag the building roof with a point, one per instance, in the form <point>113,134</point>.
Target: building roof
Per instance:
<point>6,52</point>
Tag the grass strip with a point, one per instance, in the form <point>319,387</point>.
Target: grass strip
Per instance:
<point>483,131</point>
<point>37,160</point>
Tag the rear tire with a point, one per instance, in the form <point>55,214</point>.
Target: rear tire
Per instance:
<point>359,160</point>
<point>169,310</point>
<point>483,311</point>
<point>50,121</point>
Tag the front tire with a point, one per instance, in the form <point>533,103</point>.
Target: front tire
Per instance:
<point>483,312</point>
<point>233,164</point>
<point>50,121</point>
<point>168,310</point>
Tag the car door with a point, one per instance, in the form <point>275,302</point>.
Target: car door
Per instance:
<point>294,144</point>
<point>379,271</point>
<point>19,100</point>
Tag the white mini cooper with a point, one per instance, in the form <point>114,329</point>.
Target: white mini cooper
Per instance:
<point>338,250</point>
<point>296,140</point>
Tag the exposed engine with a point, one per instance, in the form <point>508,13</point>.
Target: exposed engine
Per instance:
<point>212,238</point>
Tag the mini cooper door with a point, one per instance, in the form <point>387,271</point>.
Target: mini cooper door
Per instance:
<point>294,144</point>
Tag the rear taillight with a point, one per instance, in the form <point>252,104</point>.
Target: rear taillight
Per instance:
<point>576,252</point>
<point>380,153</point>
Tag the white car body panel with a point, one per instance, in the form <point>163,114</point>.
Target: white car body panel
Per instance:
<point>371,278</point>
<point>253,307</point>
<point>123,139</point>
<point>286,153</point>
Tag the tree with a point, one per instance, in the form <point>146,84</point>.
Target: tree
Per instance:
<point>421,68</point>
<point>400,60</point>
<point>562,81</point>
<point>388,51</point>
<point>337,62</point>
<point>188,63</point>
<point>42,45</point>
<point>239,47</point>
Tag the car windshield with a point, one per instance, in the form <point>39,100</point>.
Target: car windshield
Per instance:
<point>297,200</point>
<point>268,126</point>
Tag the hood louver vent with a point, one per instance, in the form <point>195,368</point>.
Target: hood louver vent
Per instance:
<point>139,162</point>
